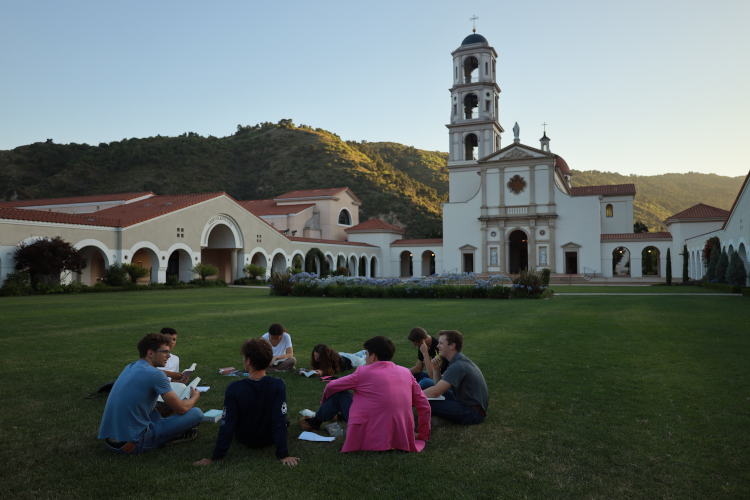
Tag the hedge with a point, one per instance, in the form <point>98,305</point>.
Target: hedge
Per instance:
<point>402,292</point>
<point>724,288</point>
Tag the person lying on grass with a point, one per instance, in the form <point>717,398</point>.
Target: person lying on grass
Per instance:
<point>419,338</point>
<point>130,423</point>
<point>467,402</point>
<point>281,342</point>
<point>326,361</point>
<point>172,368</point>
<point>254,408</point>
<point>379,415</point>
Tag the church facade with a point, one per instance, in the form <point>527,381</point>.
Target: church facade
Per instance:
<point>510,208</point>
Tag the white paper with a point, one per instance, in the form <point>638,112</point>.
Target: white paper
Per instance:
<point>439,398</point>
<point>203,388</point>
<point>311,436</point>
<point>307,413</point>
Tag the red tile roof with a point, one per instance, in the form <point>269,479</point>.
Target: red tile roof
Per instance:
<point>736,200</point>
<point>270,207</point>
<point>329,242</point>
<point>74,200</point>
<point>701,211</point>
<point>637,236</point>
<point>58,218</point>
<point>562,164</point>
<point>423,241</point>
<point>133,213</point>
<point>375,225</point>
<point>315,193</point>
<point>609,190</point>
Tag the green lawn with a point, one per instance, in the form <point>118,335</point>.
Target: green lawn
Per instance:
<point>629,289</point>
<point>590,397</point>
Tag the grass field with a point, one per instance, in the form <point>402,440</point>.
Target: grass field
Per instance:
<point>590,397</point>
<point>630,289</point>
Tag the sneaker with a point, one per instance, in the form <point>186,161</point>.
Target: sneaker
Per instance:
<point>306,426</point>
<point>187,436</point>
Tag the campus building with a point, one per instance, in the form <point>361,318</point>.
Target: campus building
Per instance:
<point>510,208</point>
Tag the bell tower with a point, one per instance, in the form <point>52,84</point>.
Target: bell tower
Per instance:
<point>474,129</point>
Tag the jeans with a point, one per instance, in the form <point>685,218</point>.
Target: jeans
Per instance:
<point>457,412</point>
<point>338,403</point>
<point>425,382</point>
<point>162,430</point>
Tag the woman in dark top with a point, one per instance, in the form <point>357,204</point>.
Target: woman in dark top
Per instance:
<point>326,361</point>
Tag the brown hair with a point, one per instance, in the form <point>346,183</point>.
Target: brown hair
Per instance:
<point>258,352</point>
<point>417,334</point>
<point>151,342</point>
<point>453,337</point>
<point>328,363</point>
<point>276,330</point>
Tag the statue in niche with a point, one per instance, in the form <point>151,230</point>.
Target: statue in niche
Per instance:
<point>493,257</point>
<point>543,255</point>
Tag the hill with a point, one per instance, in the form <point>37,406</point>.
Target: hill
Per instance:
<point>397,183</point>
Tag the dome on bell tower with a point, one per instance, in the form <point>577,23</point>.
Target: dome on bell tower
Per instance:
<point>474,38</point>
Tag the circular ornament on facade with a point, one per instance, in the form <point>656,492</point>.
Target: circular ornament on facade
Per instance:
<point>162,257</point>
<point>542,232</point>
<point>516,184</point>
<point>493,234</point>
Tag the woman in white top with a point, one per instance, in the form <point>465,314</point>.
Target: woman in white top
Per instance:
<point>281,343</point>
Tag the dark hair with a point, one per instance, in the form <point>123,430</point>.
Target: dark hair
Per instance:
<point>151,342</point>
<point>417,334</point>
<point>168,331</point>
<point>329,362</point>
<point>453,337</point>
<point>380,346</point>
<point>258,351</point>
<point>276,330</point>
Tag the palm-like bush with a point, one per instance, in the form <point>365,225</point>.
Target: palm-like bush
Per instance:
<point>528,284</point>
<point>254,271</point>
<point>136,272</point>
<point>280,284</point>
<point>205,270</point>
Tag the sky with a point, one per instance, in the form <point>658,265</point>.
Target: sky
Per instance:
<point>638,87</point>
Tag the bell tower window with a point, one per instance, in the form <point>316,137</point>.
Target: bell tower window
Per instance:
<point>471,102</point>
<point>471,69</point>
<point>470,143</point>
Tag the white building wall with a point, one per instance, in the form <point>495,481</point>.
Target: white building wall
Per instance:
<point>512,198</point>
<point>622,215</point>
<point>541,185</point>
<point>461,227</point>
<point>578,222</point>
<point>463,185</point>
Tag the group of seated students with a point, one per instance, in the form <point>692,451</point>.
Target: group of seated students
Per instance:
<point>378,412</point>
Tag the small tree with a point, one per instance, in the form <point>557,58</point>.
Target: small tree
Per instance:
<point>722,266</point>
<point>685,277</point>
<point>669,267</point>
<point>736,274</point>
<point>712,265</point>
<point>254,271</point>
<point>708,249</point>
<point>640,227</point>
<point>205,270</point>
<point>49,260</point>
<point>136,272</point>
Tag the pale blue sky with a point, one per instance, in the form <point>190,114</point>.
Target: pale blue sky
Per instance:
<point>643,87</point>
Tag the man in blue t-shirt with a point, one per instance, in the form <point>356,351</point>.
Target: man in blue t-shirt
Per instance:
<point>254,408</point>
<point>130,423</point>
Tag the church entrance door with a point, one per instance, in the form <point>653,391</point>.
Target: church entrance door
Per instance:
<point>518,252</point>
<point>571,262</point>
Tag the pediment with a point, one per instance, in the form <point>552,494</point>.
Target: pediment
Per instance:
<point>571,245</point>
<point>516,152</point>
<point>467,248</point>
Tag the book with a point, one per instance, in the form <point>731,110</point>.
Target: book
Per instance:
<point>212,416</point>
<point>186,392</point>
<point>227,370</point>
<point>190,370</point>
<point>308,373</point>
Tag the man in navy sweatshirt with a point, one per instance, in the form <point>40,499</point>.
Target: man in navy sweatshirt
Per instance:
<point>254,408</point>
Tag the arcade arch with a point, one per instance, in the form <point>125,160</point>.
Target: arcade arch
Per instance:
<point>407,264</point>
<point>180,263</point>
<point>518,251</point>
<point>221,250</point>
<point>650,261</point>
<point>620,261</point>
<point>428,263</point>
<point>278,263</point>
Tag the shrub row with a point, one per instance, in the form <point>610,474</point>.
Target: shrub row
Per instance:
<point>724,288</point>
<point>250,282</point>
<point>746,292</point>
<point>402,292</point>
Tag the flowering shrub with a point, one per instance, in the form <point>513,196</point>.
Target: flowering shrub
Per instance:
<point>447,285</point>
<point>528,284</point>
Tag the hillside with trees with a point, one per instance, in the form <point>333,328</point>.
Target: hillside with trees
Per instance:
<point>397,183</point>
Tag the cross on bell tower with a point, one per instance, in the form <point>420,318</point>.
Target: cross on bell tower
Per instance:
<point>474,128</point>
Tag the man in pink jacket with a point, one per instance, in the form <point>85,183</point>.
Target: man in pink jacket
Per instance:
<point>379,415</point>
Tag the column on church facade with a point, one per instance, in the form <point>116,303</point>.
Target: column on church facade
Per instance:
<point>552,251</point>
<point>484,192</point>
<point>532,245</point>
<point>501,192</point>
<point>234,265</point>
<point>484,247</point>
<point>501,247</point>
<point>532,189</point>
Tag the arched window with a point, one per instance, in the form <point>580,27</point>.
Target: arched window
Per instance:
<point>471,66</point>
<point>610,211</point>
<point>471,103</point>
<point>470,142</point>
<point>345,218</point>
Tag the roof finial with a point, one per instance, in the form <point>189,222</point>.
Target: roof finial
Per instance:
<point>545,128</point>
<point>473,19</point>
<point>516,131</point>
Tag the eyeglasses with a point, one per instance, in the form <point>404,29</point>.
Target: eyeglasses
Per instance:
<point>165,351</point>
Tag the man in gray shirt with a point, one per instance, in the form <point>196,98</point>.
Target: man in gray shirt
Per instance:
<point>468,402</point>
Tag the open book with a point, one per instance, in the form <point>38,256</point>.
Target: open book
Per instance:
<point>185,394</point>
<point>308,373</point>
<point>190,370</point>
